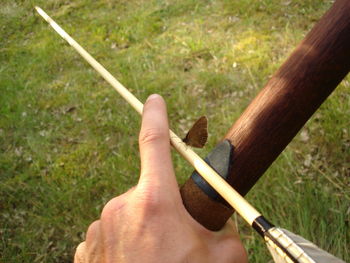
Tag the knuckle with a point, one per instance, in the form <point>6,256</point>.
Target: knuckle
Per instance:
<point>112,208</point>
<point>93,228</point>
<point>79,253</point>
<point>149,201</point>
<point>151,135</point>
<point>92,234</point>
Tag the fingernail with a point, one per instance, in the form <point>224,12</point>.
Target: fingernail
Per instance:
<point>153,96</point>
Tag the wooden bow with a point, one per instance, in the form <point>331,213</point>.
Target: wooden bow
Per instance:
<point>279,111</point>
<point>311,73</point>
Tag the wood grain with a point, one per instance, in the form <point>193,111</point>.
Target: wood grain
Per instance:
<point>283,106</point>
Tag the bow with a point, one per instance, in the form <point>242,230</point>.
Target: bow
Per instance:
<point>283,245</point>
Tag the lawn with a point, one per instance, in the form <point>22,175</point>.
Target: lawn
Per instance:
<point>68,142</point>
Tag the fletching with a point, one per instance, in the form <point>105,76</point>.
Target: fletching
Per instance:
<point>298,248</point>
<point>197,136</point>
<point>284,246</point>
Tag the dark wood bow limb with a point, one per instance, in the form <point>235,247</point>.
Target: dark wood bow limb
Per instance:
<point>279,111</point>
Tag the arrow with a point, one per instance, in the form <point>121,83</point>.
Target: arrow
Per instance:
<point>278,241</point>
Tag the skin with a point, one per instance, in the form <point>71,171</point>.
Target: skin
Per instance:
<point>149,222</point>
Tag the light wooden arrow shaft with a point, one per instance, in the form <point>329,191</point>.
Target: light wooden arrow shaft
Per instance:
<point>247,211</point>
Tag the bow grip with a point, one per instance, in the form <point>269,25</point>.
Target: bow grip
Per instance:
<point>196,188</point>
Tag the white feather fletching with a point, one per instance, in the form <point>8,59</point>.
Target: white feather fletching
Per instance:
<point>303,250</point>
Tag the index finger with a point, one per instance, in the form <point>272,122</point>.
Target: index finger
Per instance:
<point>156,166</point>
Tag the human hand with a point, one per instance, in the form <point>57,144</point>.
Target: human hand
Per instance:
<point>149,222</point>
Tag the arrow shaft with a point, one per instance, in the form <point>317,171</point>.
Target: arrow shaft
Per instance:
<point>247,211</point>
<point>275,238</point>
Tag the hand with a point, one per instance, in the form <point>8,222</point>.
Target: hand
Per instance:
<point>149,222</point>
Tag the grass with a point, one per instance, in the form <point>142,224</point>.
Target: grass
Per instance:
<point>68,142</point>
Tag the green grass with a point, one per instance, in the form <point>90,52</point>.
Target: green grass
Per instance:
<point>68,142</point>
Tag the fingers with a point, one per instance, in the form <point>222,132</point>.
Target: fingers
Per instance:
<point>79,253</point>
<point>93,249</point>
<point>157,182</point>
<point>90,251</point>
<point>156,165</point>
